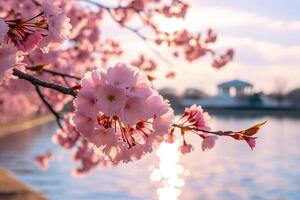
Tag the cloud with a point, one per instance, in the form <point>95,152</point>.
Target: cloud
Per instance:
<point>219,17</point>
<point>269,52</point>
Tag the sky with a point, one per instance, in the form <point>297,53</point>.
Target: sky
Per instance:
<point>264,34</point>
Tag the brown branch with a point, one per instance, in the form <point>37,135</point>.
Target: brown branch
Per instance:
<point>35,81</point>
<point>109,11</point>
<point>219,133</point>
<point>55,73</point>
<point>49,106</point>
<point>40,69</point>
<point>133,30</point>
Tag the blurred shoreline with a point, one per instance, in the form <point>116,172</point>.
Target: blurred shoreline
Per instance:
<point>15,127</point>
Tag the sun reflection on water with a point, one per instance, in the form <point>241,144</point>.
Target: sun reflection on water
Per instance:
<point>169,172</point>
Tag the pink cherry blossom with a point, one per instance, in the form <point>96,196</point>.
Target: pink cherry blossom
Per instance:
<point>84,124</point>
<point>186,148</point>
<point>177,9</point>
<point>58,25</point>
<point>104,137</point>
<point>117,117</point>
<point>111,99</point>
<point>88,158</point>
<point>197,117</point>
<point>208,142</point>
<point>170,138</point>
<point>128,124</point>
<point>9,58</point>
<point>144,64</point>
<point>134,110</point>
<point>121,76</point>
<point>86,102</point>
<point>43,160</point>
<point>222,60</point>
<point>31,42</point>
<point>3,30</point>
<point>164,117</point>
<point>68,136</point>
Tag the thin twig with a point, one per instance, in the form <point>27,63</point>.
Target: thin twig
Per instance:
<point>131,29</point>
<point>49,106</point>
<point>55,73</point>
<point>35,81</point>
<point>219,133</point>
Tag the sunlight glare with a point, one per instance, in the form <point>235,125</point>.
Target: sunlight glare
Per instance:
<point>169,25</point>
<point>169,171</point>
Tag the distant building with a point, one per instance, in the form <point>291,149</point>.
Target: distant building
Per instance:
<point>235,88</point>
<point>235,94</point>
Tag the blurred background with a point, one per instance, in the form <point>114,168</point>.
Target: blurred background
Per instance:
<point>262,83</point>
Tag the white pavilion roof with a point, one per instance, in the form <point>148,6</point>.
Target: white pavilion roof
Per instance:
<point>235,83</point>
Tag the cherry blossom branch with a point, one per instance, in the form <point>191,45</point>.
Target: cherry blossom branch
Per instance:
<point>52,72</point>
<point>35,81</point>
<point>219,133</point>
<point>109,11</point>
<point>131,29</point>
<point>55,73</point>
<point>49,106</point>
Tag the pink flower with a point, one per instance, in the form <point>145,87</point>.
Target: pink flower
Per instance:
<point>208,142</point>
<point>68,136</point>
<point>3,30</point>
<point>59,26</point>
<point>111,99</point>
<point>222,60</point>
<point>186,148</point>
<point>84,124</point>
<point>92,80</point>
<point>197,117</point>
<point>130,117</point>
<point>30,43</point>
<point>251,141</point>
<point>178,9</point>
<point>170,138</point>
<point>164,115</point>
<point>9,58</point>
<point>121,75</point>
<point>104,137</point>
<point>86,102</point>
<point>142,87</point>
<point>43,160</point>
<point>134,110</point>
<point>88,158</point>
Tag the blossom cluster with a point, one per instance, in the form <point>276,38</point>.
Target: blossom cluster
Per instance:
<point>116,116</point>
<point>120,113</point>
<point>195,120</point>
<point>119,117</point>
<point>30,27</point>
<point>42,37</point>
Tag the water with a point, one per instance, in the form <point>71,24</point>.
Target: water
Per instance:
<point>231,171</point>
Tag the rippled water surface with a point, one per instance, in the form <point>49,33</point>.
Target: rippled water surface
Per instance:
<point>230,171</point>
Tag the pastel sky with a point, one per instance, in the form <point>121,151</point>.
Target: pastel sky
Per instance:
<point>265,35</point>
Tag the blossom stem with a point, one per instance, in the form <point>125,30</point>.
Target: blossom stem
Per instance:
<point>55,73</point>
<point>42,97</point>
<point>219,133</point>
